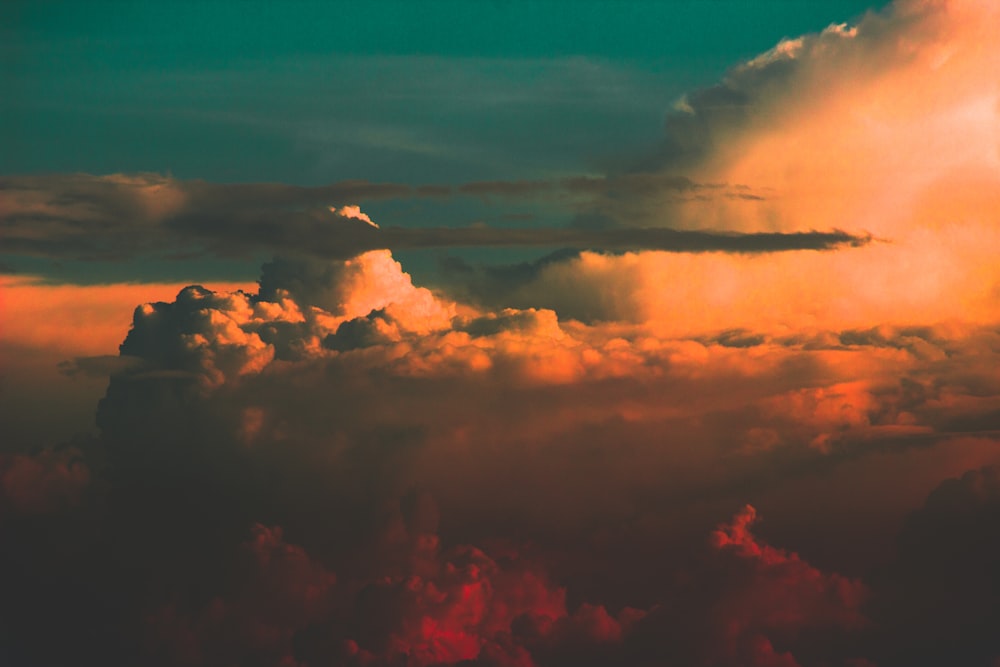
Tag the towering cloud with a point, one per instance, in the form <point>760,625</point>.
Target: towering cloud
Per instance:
<point>890,126</point>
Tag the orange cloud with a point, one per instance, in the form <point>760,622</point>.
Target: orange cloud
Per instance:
<point>891,126</point>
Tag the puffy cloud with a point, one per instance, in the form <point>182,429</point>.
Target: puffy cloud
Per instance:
<point>427,606</point>
<point>363,318</point>
<point>338,427</point>
<point>280,590</point>
<point>782,594</point>
<point>745,603</point>
<point>90,318</point>
<point>463,610</point>
<point>438,606</point>
<point>216,336</point>
<point>49,330</point>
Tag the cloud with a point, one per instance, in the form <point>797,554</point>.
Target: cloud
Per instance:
<point>353,212</point>
<point>118,217</point>
<point>423,605</point>
<point>664,239</point>
<point>363,321</point>
<point>282,590</point>
<point>344,467</point>
<point>776,596</point>
<point>936,597</point>
<point>50,329</point>
<point>688,294</point>
<point>854,128</point>
<point>705,120</point>
<point>433,606</point>
<point>309,420</point>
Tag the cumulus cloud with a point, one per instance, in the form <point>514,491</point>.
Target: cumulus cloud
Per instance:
<point>783,593</point>
<point>280,591</point>
<point>436,606</point>
<point>50,331</point>
<point>422,605</point>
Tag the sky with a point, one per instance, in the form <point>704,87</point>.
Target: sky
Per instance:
<point>510,333</point>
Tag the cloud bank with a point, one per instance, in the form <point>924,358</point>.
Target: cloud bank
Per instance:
<point>119,217</point>
<point>347,444</point>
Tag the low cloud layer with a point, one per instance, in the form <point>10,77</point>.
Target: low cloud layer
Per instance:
<point>347,442</point>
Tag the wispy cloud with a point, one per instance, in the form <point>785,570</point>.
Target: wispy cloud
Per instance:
<point>114,217</point>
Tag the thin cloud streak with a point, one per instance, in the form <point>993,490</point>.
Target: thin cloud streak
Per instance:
<point>118,217</point>
<point>646,238</point>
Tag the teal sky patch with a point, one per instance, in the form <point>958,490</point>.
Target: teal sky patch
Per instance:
<point>317,92</point>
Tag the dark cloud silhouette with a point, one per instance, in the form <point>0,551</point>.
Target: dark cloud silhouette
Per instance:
<point>648,238</point>
<point>117,217</point>
<point>936,602</point>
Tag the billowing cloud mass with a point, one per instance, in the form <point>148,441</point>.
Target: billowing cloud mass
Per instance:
<point>347,444</point>
<point>892,126</point>
<point>889,126</point>
<point>647,458</point>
